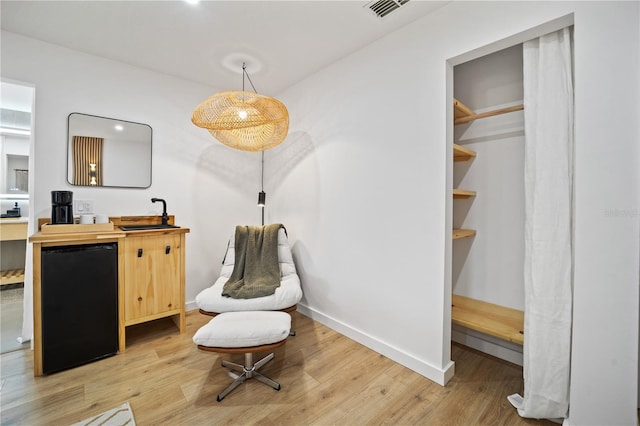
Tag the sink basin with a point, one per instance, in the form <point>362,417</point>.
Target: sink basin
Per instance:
<point>145,227</point>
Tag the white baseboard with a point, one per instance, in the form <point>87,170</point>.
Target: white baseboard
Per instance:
<point>440,376</point>
<point>490,345</point>
<point>190,306</point>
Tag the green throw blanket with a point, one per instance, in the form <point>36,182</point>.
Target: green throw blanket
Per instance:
<point>256,271</point>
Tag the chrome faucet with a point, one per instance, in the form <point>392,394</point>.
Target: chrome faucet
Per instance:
<point>165,216</point>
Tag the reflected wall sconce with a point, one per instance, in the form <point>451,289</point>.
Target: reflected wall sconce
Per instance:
<point>243,120</point>
<point>92,174</point>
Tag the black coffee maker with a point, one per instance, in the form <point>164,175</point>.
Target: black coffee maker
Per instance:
<point>61,207</point>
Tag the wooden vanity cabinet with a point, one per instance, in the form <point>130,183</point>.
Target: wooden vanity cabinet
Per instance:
<point>150,271</point>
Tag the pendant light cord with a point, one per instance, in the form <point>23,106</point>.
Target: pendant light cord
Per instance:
<point>244,72</point>
<point>262,184</point>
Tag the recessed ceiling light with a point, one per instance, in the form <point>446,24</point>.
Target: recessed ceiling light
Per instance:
<point>192,1</point>
<point>118,127</point>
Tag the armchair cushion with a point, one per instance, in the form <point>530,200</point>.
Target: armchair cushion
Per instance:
<point>288,294</point>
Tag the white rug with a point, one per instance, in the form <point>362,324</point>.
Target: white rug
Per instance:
<point>118,416</point>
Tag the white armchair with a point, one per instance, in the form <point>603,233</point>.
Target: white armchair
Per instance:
<point>211,302</point>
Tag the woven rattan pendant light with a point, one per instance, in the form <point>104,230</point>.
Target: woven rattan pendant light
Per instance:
<point>243,120</point>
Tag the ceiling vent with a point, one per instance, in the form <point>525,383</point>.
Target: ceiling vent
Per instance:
<point>384,7</point>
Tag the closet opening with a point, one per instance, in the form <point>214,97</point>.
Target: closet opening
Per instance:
<point>488,205</point>
<point>514,200</point>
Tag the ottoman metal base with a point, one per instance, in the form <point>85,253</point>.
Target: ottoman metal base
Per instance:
<point>248,371</point>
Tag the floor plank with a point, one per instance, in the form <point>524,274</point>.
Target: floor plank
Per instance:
<point>326,378</point>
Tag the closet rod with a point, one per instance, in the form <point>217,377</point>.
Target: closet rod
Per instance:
<point>469,118</point>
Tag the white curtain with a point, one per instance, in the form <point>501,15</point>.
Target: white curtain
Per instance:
<point>548,101</point>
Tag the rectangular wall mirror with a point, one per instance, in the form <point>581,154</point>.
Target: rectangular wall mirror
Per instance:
<point>108,152</point>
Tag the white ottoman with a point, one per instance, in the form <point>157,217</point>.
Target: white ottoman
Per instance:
<point>245,332</point>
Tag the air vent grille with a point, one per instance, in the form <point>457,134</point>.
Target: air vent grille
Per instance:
<point>384,7</point>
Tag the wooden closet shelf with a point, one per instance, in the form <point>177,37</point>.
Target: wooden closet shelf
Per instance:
<point>461,153</point>
<point>464,114</point>
<point>463,233</point>
<point>494,320</point>
<point>11,276</point>
<point>463,193</point>
<point>461,110</point>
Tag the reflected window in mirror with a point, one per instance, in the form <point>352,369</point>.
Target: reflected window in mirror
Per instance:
<point>108,152</point>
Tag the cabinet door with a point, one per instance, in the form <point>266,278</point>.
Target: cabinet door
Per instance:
<point>152,275</point>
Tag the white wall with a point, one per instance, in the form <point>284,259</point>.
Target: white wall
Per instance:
<point>366,198</point>
<point>604,347</point>
<point>208,187</point>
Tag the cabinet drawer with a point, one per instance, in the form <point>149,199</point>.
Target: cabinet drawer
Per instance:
<point>11,231</point>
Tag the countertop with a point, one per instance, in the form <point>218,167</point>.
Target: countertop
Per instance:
<point>14,219</point>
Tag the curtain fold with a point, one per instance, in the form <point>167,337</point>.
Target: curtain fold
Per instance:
<point>87,150</point>
<point>548,269</point>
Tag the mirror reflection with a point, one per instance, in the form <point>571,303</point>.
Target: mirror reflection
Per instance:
<point>108,152</point>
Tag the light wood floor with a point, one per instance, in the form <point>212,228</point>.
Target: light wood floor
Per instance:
<point>326,378</point>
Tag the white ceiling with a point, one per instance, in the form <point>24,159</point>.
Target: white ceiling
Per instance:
<point>281,41</point>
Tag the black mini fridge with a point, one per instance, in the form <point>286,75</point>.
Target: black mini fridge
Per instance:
<point>79,286</point>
